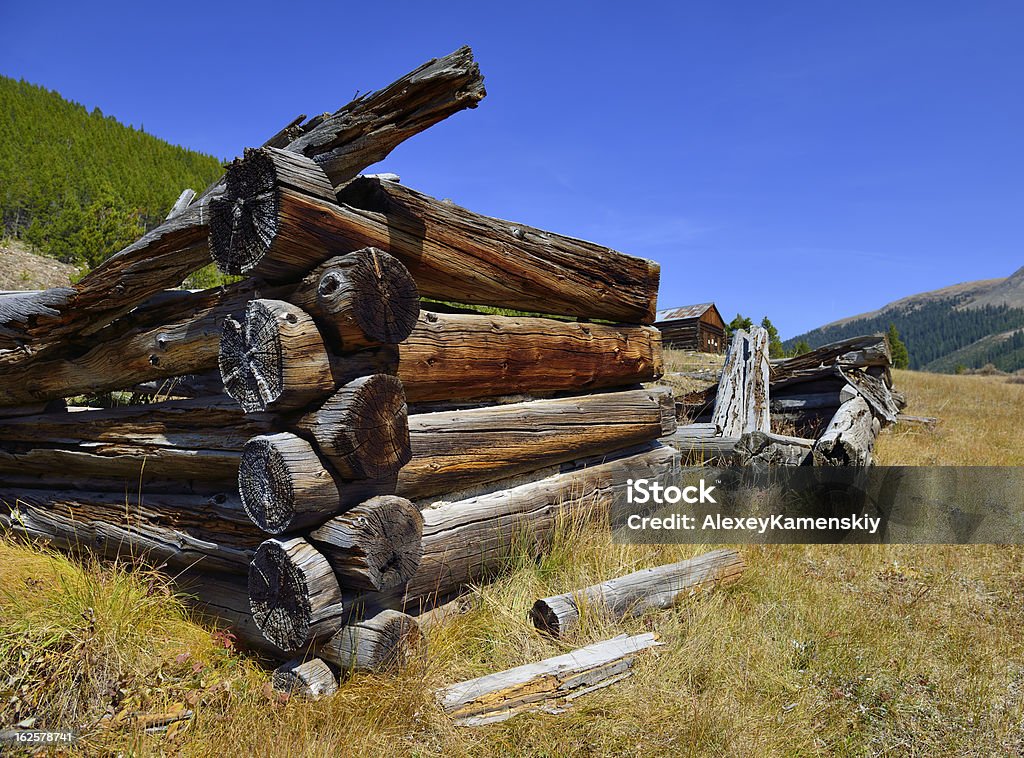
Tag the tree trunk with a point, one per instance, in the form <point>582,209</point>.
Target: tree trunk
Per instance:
<point>289,221</point>
<point>636,593</point>
<point>374,546</point>
<point>548,685</point>
<point>343,144</point>
<point>741,404</point>
<point>294,594</point>
<point>385,641</point>
<point>850,438</point>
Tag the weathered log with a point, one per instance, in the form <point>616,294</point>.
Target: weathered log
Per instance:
<point>636,593</point>
<point>804,402</point>
<point>467,540</point>
<point>741,404</point>
<point>363,429</point>
<point>765,448</point>
<point>384,641</point>
<point>344,143</point>
<point>180,531</point>
<point>294,594</point>
<point>286,219</point>
<point>364,298</point>
<point>701,443</point>
<point>223,599</point>
<point>184,201</point>
<point>283,484</point>
<point>456,449</point>
<point>549,685</point>
<point>276,361</point>
<point>310,679</point>
<point>850,438</point>
<point>376,545</point>
<point>856,352</point>
<point>875,392</point>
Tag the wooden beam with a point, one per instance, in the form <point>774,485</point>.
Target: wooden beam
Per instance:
<point>741,404</point>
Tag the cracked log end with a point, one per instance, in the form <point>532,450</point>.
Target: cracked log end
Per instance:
<point>293,593</point>
<point>243,221</point>
<point>283,484</point>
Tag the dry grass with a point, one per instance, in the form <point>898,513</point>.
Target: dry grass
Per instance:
<point>818,650</point>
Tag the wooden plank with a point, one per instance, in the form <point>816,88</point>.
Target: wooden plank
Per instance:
<point>548,685</point>
<point>742,403</point>
<point>639,592</point>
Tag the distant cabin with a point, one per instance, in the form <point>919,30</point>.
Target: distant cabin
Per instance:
<point>693,327</point>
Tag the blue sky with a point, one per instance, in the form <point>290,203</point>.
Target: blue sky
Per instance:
<point>803,160</point>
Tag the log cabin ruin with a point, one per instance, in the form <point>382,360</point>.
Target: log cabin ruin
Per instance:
<point>328,448</point>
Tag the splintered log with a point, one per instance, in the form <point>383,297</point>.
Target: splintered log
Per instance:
<point>384,641</point>
<point>467,540</point>
<point>636,593</point>
<point>453,450</point>
<point>850,438</point>
<point>376,545</point>
<point>181,531</point>
<point>364,298</point>
<point>701,443</point>
<point>283,484</point>
<point>875,392</point>
<point>856,352</point>
<point>277,360</point>
<point>765,448</point>
<point>741,404</point>
<point>279,216</point>
<point>310,679</point>
<point>549,685</point>
<point>363,429</point>
<point>343,143</point>
<point>294,594</point>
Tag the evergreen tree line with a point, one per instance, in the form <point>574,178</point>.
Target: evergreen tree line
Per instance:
<point>79,185</point>
<point>932,331</point>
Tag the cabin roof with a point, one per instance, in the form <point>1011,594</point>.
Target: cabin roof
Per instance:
<point>684,311</point>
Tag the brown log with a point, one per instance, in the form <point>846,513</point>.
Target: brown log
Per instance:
<point>741,404</point>
<point>384,641</point>
<point>363,429</point>
<point>361,299</point>
<point>376,545</point>
<point>344,143</point>
<point>636,593</point>
<point>294,594</point>
<point>287,219</point>
<point>276,361</point>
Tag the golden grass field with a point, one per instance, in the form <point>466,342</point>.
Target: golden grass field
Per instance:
<point>818,650</point>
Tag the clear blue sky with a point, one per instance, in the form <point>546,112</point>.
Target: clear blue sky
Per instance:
<point>804,160</point>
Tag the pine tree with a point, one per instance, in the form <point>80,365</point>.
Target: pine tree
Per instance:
<point>775,349</point>
<point>800,348</point>
<point>740,322</point>
<point>900,356</point>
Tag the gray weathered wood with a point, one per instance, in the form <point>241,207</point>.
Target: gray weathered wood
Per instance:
<point>636,593</point>
<point>701,443</point>
<point>742,403</point>
<point>384,641</point>
<point>310,679</point>
<point>765,448</point>
<point>850,438</point>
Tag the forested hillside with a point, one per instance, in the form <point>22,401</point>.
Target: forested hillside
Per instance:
<point>941,335</point>
<point>79,185</point>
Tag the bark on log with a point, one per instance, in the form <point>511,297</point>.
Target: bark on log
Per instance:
<point>376,545</point>
<point>286,219</point>
<point>850,438</point>
<point>343,144</point>
<point>211,533</point>
<point>361,299</point>
<point>636,593</point>
<point>548,685</point>
<point>312,679</point>
<point>276,361</point>
<point>385,641</point>
<point>766,449</point>
<point>363,429</point>
<point>456,449</point>
<point>294,594</point>
<point>741,404</point>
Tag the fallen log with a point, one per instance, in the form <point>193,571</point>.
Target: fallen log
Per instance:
<point>767,449</point>
<point>701,443</point>
<point>742,403</point>
<point>310,679</point>
<point>376,545</point>
<point>343,144</point>
<point>856,352</point>
<point>636,593</point>
<point>384,641</point>
<point>294,594</point>
<point>850,438</point>
<point>549,685</point>
<point>288,217</point>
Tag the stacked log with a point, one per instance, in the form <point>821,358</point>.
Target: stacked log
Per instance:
<point>339,455</point>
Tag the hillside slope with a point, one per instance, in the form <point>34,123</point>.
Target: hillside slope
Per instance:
<point>966,325</point>
<point>79,185</point>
